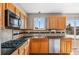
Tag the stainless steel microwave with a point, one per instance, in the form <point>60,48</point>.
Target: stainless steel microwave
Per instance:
<point>11,20</point>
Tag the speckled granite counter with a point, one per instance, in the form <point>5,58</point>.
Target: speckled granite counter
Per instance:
<point>10,46</point>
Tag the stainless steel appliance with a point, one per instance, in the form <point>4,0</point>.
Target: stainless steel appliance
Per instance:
<point>54,45</point>
<point>11,20</point>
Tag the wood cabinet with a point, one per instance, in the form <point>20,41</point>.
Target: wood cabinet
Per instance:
<point>11,7</point>
<point>56,22</point>
<point>44,46</point>
<point>2,15</point>
<point>39,45</point>
<point>61,24</point>
<point>17,12</point>
<point>26,22</point>
<point>35,45</point>
<point>16,52</point>
<point>23,21</point>
<point>65,45</point>
<point>27,48</point>
<point>21,50</point>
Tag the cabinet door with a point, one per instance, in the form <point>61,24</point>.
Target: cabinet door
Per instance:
<point>15,52</point>
<point>21,50</point>
<point>11,7</point>
<point>26,22</point>
<point>48,22</point>
<point>65,45</point>
<point>0,15</point>
<point>27,47</point>
<point>35,46</point>
<point>44,45</point>
<point>68,46</point>
<point>56,22</point>
<point>61,22</point>
<point>23,21</point>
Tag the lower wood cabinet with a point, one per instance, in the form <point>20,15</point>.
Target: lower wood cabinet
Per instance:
<point>66,45</point>
<point>15,52</point>
<point>44,46</point>
<point>39,45</point>
<point>21,50</point>
<point>26,49</point>
<point>34,45</point>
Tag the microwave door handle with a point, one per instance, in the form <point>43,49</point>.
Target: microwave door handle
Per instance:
<point>20,22</point>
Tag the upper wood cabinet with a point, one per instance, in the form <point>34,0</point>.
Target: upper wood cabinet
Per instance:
<point>11,7</point>
<point>23,21</point>
<point>2,15</point>
<point>65,45</point>
<point>17,12</point>
<point>56,22</point>
<point>61,24</point>
<point>39,45</point>
<point>26,22</point>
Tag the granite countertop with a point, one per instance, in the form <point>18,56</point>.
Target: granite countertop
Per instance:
<point>10,46</point>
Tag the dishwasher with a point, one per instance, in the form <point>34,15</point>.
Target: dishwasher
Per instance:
<point>54,45</point>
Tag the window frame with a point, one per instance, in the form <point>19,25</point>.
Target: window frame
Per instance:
<point>34,22</point>
<point>69,35</point>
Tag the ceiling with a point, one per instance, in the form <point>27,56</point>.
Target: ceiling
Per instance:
<point>50,7</point>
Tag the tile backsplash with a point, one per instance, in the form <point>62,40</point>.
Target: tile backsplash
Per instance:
<point>5,35</point>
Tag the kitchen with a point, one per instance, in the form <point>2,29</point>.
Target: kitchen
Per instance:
<point>38,29</point>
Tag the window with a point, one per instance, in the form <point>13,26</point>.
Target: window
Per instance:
<point>77,27</point>
<point>39,23</point>
<point>72,27</point>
